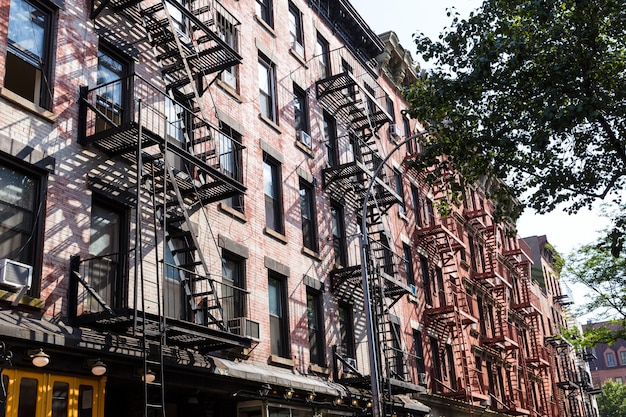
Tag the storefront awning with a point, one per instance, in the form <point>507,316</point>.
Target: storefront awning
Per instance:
<point>412,405</point>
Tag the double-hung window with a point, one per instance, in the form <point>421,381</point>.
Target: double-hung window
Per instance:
<point>315,322</point>
<point>264,11</point>
<point>233,284</point>
<point>339,234</point>
<point>322,54</point>
<point>228,32</point>
<point>301,116</point>
<point>296,37</point>
<point>111,91</point>
<point>230,152</point>
<point>22,207</point>
<point>397,177</point>
<point>273,194</point>
<point>307,215</point>
<point>279,323</point>
<point>267,89</point>
<point>28,64</point>
<point>407,259</point>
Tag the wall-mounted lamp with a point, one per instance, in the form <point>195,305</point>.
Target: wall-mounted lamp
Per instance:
<point>337,401</point>
<point>310,396</point>
<point>355,402</point>
<point>368,404</point>
<point>149,377</point>
<point>98,368</point>
<point>289,393</point>
<point>265,390</point>
<point>38,357</point>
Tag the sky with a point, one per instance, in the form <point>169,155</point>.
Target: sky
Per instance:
<point>407,17</point>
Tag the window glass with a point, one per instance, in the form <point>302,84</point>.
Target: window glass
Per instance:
<point>19,205</point>
<point>271,187</point>
<point>295,30</point>
<point>264,11</point>
<point>622,357</point>
<point>60,392</point>
<point>610,359</point>
<point>323,59</point>
<point>232,296</point>
<point>27,406</point>
<point>316,327</point>
<point>278,318</point>
<point>266,90</point>
<point>85,401</point>
<point>301,117</point>
<point>307,215</point>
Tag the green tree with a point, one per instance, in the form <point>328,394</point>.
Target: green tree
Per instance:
<point>605,277</point>
<point>532,92</point>
<point>612,401</point>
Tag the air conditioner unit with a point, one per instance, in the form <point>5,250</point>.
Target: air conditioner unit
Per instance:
<point>394,131</point>
<point>305,138</point>
<point>350,365</point>
<point>229,78</point>
<point>298,48</point>
<point>422,379</point>
<point>243,326</point>
<point>15,274</point>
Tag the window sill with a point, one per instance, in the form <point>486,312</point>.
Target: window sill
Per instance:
<point>316,369</point>
<point>270,123</point>
<point>232,213</point>
<point>276,235</point>
<point>311,254</point>
<point>280,361</point>
<point>26,301</point>
<point>308,151</point>
<point>28,105</point>
<point>230,90</point>
<point>265,26</point>
<point>298,58</point>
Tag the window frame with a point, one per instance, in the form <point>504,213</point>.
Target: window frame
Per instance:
<point>330,140</point>
<point>622,357</point>
<point>347,341</point>
<point>44,97</point>
<point>232,158</point>
<point>407,259</point>
<point>338,234</point>
<point>239,284</point>
<point>267,92</point>
<point>309,219</point>
<point>279,337</point>
<point>296,32</point>
<point>264,12</point>
<point>315,326</point>
<point>274,216</point>
<point>322,54</point>
<point>610,359</point>
<point>301,116</point>
<point>399,189</point>
<point>38,209</point>
<point>228,33</point>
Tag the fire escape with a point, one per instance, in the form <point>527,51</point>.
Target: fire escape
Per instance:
<point>352,95</point>
<point>171,162</point>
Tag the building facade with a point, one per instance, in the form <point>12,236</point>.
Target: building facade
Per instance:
<point>607,361</point>
<point>206,208</point>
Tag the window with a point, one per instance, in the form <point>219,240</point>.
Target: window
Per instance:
<point>622,357</point>
<point>28,66</point>
<point>279,329</point>
<point>322,53</point>
<point>296,37</point>
<point>22,207</point>
<point>396,361</point>
<point>301,116</point>
<point>307,215</point>
<point>267,91</point>
<point>330,140</point>
<point>426,280</point>
<point>408,264</point>
<point>390,109</point>
<point>619,380</point>
<point>108,243</point>
<point>397,178</point>
<point>173,301</point>
<point>610,359</point>
<point>387,256</point>
<point>112,96</point>
<point>338,231</point>
<point>415,200</point>
<point>233,284</point>
<point>264,11</point>
<point>230,162</point>
<point>314,305</point>
<point>436,365</point>
<point>227,31</point>
<point>441,292</point>
<point>418,350</point>
<point>346,329</point>
<point>273,192</point>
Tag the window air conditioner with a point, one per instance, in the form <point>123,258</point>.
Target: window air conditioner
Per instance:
<point>422,379</point>
<point>350,365</point>
<point>243,326</point>
<point>305,138</point>
<point>15,274</point>
<point>298,48</point>
<point>394,131</point>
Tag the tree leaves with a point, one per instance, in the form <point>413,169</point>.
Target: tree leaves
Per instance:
<point>532,92</point>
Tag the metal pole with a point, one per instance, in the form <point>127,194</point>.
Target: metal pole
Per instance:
<point>376,403</point>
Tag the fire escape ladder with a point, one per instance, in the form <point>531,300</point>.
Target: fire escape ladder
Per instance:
<point>153,371</point>
<point>200,287</point>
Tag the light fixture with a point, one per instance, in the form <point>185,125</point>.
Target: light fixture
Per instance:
<point>265,390</point>
<point>310,396</point>
<point>149,376</point>
<point>368,404</point>
<point>289,393</point>
<point>337,401</point>
<point>355,402</point>
<point>98,368</point>
<point>38,357</point>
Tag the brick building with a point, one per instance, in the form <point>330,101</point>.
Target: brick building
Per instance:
<point>608,361</point>
<point>184,194</point>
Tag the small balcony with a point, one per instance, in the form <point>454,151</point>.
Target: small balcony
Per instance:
<point>103,295</point>
<point>119,117</point>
